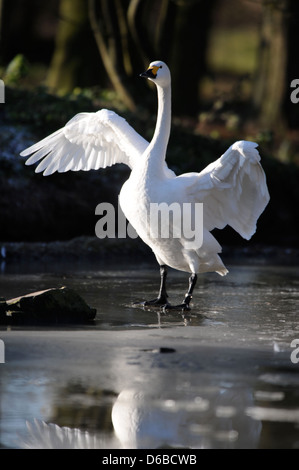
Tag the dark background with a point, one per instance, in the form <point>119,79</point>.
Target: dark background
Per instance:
<point>232,64</point>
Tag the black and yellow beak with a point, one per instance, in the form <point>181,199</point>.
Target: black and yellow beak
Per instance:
<point>151,72</point>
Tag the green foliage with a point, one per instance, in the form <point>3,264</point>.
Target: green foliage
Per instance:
<point>233,51</point>
<point>41,110</point>
<point>18,68</point>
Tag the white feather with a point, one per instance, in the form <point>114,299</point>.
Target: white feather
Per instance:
<point>83,136</point>
<point>41,435</point>
<point>233,190</point>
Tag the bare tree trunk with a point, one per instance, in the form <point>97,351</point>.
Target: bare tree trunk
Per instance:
<point>70,59</point>
<point>124,37</point>
<point>109,61</point>
<point>132,16</point>
<point>161,22</point>
<point>1,11</point>
<point>190,30</point>
<point>269,89</point>
<point>292,109</point>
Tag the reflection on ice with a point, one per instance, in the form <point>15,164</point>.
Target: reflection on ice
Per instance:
<point>274,414</point>
<point>227,382</point>
<point>264,395</point>
<point>50,436</point>
<point>143,421</point>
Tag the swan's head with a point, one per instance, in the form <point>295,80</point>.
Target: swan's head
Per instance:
<point>158,72</point>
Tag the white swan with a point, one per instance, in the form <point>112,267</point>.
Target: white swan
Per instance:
<point>233,189</point>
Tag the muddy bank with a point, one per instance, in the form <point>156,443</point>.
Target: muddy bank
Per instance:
<point>87,248</point>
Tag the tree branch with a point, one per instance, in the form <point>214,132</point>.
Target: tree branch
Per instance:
<point>124,95</point>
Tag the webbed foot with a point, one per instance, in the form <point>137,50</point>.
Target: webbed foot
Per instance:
<point>158,302</point>
<point>184,306</point>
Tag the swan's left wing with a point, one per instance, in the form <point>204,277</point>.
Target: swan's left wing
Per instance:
<point>89,141</point>
<point>233,190</point>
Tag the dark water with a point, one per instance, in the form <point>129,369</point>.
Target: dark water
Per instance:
<point>223,376</point>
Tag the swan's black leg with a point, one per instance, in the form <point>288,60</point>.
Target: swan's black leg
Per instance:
<point>161,300</point>
<point>192,282</point>
<point>162,296</point>
<point>185,304</point>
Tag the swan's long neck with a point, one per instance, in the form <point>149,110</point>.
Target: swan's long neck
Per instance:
<point>156,151</point>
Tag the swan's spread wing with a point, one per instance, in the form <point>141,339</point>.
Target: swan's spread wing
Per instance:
<point>233,190</point>
<point>89,141</point>
<point>41,435</point>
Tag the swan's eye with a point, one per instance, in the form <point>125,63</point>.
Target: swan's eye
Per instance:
<point>161,67</point>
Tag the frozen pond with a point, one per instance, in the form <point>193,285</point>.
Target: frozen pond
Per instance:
<point>224,376</point>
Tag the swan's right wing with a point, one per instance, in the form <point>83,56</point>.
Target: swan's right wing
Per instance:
<point>89,141</point>
<point>41,435</point>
